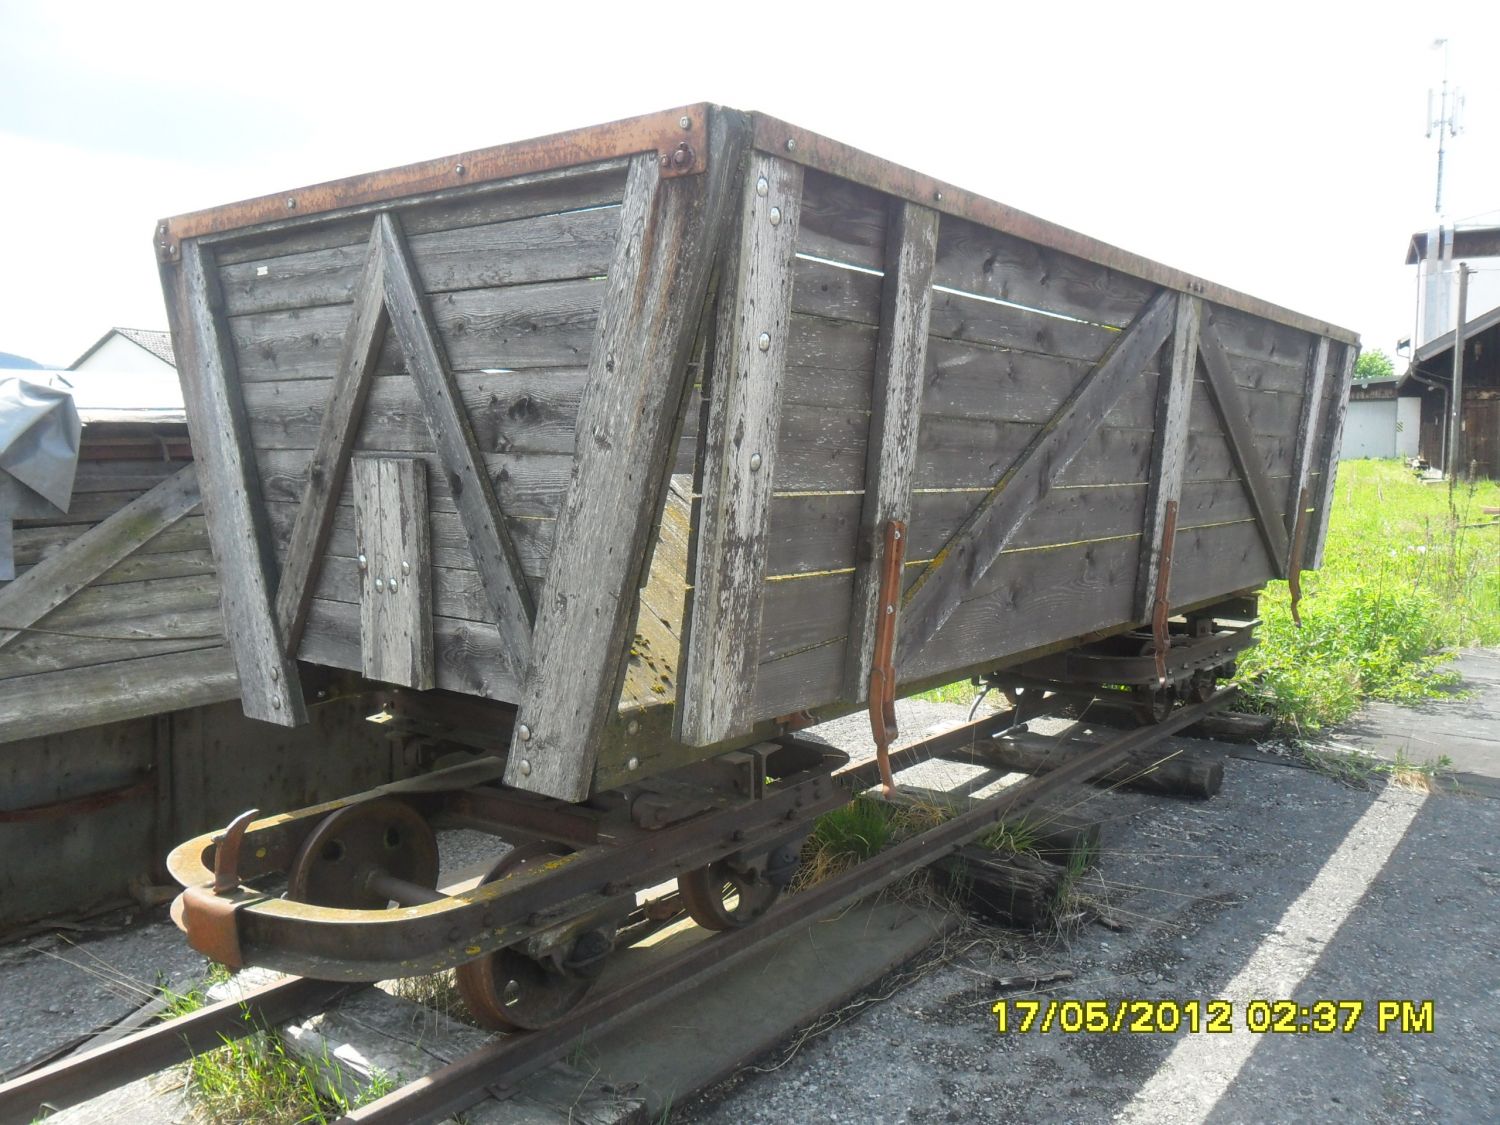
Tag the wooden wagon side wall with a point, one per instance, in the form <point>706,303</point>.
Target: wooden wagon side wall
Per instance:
<point>114,611</point>
<point>1060,404</point>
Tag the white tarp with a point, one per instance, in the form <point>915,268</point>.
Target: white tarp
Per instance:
<point>40,434</point>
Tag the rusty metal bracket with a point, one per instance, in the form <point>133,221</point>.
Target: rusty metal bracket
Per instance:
<point>883,660</point>
<point>1161,609</point>
<point>227,853</point>
<point>209,921</point>
<point>1294,561</point>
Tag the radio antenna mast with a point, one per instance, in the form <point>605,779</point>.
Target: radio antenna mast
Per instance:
<point>1446,122</point>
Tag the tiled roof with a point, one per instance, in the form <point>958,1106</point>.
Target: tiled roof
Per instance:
<point>156,342</point>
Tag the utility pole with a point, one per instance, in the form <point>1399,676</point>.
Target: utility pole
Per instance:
<point>1456,402</point>
<point>1446,123</point>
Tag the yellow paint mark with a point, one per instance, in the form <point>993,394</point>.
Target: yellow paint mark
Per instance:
<point>473,950</point>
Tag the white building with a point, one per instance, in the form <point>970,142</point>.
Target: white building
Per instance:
<point>130,351</point>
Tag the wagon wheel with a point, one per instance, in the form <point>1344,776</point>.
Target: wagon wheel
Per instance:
<point>726,896</point>
<point>1152,704</point>
<point>509,990</point>
<point>1203,684</point>
<point>382,835</point>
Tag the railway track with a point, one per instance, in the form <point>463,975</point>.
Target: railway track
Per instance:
<point>510,1058</point>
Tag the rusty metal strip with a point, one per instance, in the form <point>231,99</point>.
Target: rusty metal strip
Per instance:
<point>80,806</point>
<point>1161,608</point>
<point>682,150</point>
<point>838,159</point>
<point>883,660</point>
<point>1294,561</point>
<point>227,852</point>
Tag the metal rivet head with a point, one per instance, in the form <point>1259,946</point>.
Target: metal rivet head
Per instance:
<point>791,144</point>
<point>291,204</point>
<point>764,341</point>
<point>363,562</point>
<point>525,768</point>
<point>762,186</point>
<point>406,566</point>
<point>895,533</point>
<point>275,675</point>
<point>775,216</point>
<point>391,582</point>
<point>380,584</point>
<point>276,703</point>
<point>755,462</point>
<point>685,122</point>
<point>459,169</point>
<point>890,609</point>
<point>523,732</point>
<point>633,764</point>
<point>633,727</point>
<point>937,196</point>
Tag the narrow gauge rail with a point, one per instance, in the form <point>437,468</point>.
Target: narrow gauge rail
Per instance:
<point>458,1085</point>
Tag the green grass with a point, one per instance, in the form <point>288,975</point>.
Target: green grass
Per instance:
<point>254,1081</point>
<point>1406,578</point>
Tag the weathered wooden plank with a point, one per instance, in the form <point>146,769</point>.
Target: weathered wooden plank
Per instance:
<point>558,247</point>
<point>842,221</point>
<point>972,453</point>
<point>395,589</point>
<point>1305,443</point>
<point>115,692</point>
<point>469,656</point>
<point>740,454</point>
<point>269,685</point>
<point>1266,413</point>
<point>140,567</point>
<point>527,485</point>
<point>1226,399</point>
<point>86,508</point>
<point>1034,598</point>
<point>1219,559</point>
<point>1169,452</point>
<point>830,346</point>
<point>343,408</point>
<point>821,449</point>
<point>638,387</point>
<point>975,259</point>
<point>1256,337</point>
<point>1328,457</point>
<point>48,647</point>
<point>805,679</point>
<point>945,582</point>
<point>976,319</point>
<point>54,580</point>
<point>123,475</point>
<point>450,539</point>
<point>99,609</point>
<point>510,412</point>
<point>550,324</point>
<point>544,193</point>
<point>895,418</point>
<point>453,436</point>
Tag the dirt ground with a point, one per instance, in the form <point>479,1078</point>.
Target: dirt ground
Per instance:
<point>1288,885</point>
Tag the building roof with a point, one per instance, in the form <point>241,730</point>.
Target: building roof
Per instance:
<point>1429,357</point>
<point>1469,241</point>
<point>154,340</point>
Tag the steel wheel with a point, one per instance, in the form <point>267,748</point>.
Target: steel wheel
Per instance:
<point>718,897</point>
<point>508,990</point>
<point>1152,705</point>
<point>385,834</point>
<point>1203,684</point>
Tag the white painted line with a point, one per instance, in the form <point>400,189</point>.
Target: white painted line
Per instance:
<point>1189,1083</point>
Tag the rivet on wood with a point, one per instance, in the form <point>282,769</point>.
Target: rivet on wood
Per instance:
<point>405,567</point>
<point>685,122</point>
<point>459,169</point>
<point>633,764</point>
<point>937,196</point>
<point>380,584</point>
<point>890,609</point>
<point>391,583</point>
<point>762,186</point>
<point>633,727</point>
<point>525,768</point>
<point>523,732</point>
<point>291,204</point>
<point>275,674</point>
<point>755,462</point>
<point>764,341</point>
<point>775,216</point>
<point>791,144</point>
<point>276,703</point>
<point>363,562</point>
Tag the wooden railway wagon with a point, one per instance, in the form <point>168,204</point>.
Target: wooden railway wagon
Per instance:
<point>626,448</point>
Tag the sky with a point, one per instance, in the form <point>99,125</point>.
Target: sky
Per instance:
<point>1277,148</point>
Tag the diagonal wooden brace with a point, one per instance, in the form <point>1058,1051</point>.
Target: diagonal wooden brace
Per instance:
<point>883,658</point>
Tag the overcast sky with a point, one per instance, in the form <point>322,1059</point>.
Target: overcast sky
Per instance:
<point>1274,147</point>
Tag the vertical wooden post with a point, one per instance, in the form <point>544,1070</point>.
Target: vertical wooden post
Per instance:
<point>1333,438</point>
<point>637,384</point>
<point>1307,435</point>
<point>895,418</point>
<point>739,468</point>
<point>395,575</point>
<point>1169,450</point>
<point>269,685</point>
<point>1456,400</point>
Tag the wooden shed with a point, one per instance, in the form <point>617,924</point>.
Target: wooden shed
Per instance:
<point>622,428</point>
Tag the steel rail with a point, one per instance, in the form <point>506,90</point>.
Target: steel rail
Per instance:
<point>459,1084</point>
